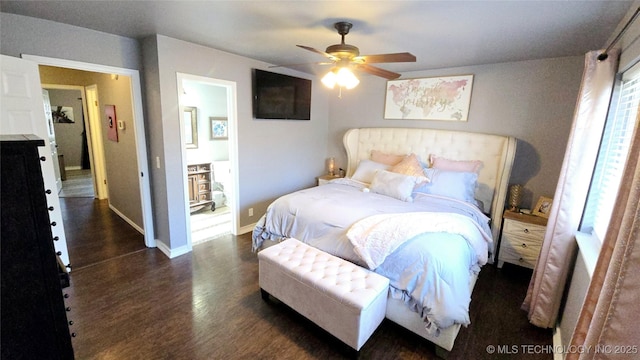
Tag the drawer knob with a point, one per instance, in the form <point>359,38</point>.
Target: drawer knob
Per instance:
<point>526,231</point>
<point>48,191</point>
<point>68,308</point>
<point>524,245</point>
<point>50,208</point>
<point>42,158</point>
<point>73,335</point>
<point>521,260</point>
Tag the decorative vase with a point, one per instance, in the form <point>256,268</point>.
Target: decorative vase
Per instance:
<point>515,195</point>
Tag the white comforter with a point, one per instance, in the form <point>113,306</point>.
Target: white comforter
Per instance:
<point>429,268</point>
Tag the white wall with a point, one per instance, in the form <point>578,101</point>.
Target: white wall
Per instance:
<point>209,100</point>
<point>531,100</point>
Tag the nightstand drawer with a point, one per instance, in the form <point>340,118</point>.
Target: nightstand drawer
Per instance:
<point>521,240</point>
<point>526,259</point>
<point>521,244</point>
<point>531,231</point>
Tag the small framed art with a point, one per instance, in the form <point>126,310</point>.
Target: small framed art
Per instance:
<point>543,207</point>
<point>219,128</point>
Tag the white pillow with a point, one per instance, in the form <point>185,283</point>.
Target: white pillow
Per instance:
<point>367,169</point>
<point>453,184</point>
<point>395,185</point>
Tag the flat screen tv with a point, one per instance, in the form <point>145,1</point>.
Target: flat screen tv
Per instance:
<point>278,96</point>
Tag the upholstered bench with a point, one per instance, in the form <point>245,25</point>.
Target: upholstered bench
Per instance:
<point>344,299</point>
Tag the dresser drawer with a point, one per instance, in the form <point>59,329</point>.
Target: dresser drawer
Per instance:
<point>521,244</point>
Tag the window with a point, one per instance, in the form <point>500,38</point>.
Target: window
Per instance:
<point>612,155</point>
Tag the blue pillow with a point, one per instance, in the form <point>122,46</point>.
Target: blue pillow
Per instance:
<point>453,184</point>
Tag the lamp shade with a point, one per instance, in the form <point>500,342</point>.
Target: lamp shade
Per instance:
<point>343,77</point>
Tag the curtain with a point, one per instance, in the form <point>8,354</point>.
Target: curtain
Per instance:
<point>608,319</point>
<point>559,247</point>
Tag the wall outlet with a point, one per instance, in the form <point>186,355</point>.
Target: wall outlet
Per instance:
<point>250,211</point>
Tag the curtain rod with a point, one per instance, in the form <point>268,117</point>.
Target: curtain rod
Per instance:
<point>604,55</point>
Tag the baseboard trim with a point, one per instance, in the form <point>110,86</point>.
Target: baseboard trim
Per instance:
<point>129,221</point>
<point>172,253</point>
<point>247,228</point>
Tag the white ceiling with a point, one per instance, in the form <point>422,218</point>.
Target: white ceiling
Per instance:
<point>441,34</point>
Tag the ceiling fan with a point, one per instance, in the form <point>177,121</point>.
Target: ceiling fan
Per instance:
<point>344,55</point>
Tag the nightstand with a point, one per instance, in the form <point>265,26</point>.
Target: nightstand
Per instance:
<point>322,180</point>
<point>521,239</point>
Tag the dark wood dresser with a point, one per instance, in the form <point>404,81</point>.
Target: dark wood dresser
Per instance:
<point>34,319</point>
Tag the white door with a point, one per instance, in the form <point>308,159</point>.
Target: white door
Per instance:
<point>22,112</point>
<point>52,138</point>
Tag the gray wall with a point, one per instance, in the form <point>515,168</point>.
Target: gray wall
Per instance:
<point>275,156</point>
<point>69,135</point>
<point>530,100</point>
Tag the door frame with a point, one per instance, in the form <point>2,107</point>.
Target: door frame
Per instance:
<point>94,140</point>
<point>139,129</point>
<point>232,117</point>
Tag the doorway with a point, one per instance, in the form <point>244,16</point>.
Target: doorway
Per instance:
<point>135,128</point>
<point>70,132</point>
<point>207,119</point>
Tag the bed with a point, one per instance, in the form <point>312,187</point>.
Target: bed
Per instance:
<point>398,213</point>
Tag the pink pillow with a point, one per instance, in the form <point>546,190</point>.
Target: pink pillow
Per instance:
<point>455,165</point>
<point>384,158</point>
<point>410,165</point>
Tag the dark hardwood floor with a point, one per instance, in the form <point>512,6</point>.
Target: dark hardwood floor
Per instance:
<point>207,305</point>
<point>95,233</point>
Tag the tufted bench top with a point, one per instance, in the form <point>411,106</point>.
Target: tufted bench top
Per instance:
<point>347,283</point>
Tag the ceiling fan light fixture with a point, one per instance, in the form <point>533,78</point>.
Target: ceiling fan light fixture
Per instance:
<point>342,76</point>
<point>330,79</point>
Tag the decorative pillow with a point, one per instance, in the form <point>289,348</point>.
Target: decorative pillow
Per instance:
<point>367,169</point>
<point>384,158</point>
<point>394,185</point>
<point>453,184</point>
<point>410,165</point>
<point>455,165</point>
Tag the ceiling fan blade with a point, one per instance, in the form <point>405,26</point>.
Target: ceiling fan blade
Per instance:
<point>333,58</point>
<point>301,64</point>
<point>389,75</point>
<point>386,58</point>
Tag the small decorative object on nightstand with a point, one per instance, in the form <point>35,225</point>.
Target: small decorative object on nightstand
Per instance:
<point>521,239</point>
<point>515,194</point>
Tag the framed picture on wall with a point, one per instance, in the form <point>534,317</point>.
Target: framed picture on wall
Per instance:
<point>219,128</point>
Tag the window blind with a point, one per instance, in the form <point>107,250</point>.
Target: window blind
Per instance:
<point>612,156</point>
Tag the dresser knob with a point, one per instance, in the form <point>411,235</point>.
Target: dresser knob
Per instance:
<point>73,335</point>
<point>56,238</point>
<point>68,266</point>
<point>66,296</point>
<point>42,158</point>
<point>70,322</point>
<point>68,309</point>
<point>524,245</point>
<point>526,231</point>
<point>521,260</point>
<point>53,223</point>
<point>48,191</point>
<point>59,253</point>
<point>50,208</point>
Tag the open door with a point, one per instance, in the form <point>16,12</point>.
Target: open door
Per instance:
<point>22,112</point>
<point>52,139</point>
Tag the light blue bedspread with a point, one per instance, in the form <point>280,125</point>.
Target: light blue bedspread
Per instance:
<point>431,272</point>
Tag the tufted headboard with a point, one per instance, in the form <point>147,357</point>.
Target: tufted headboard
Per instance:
<point>495,151</point>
